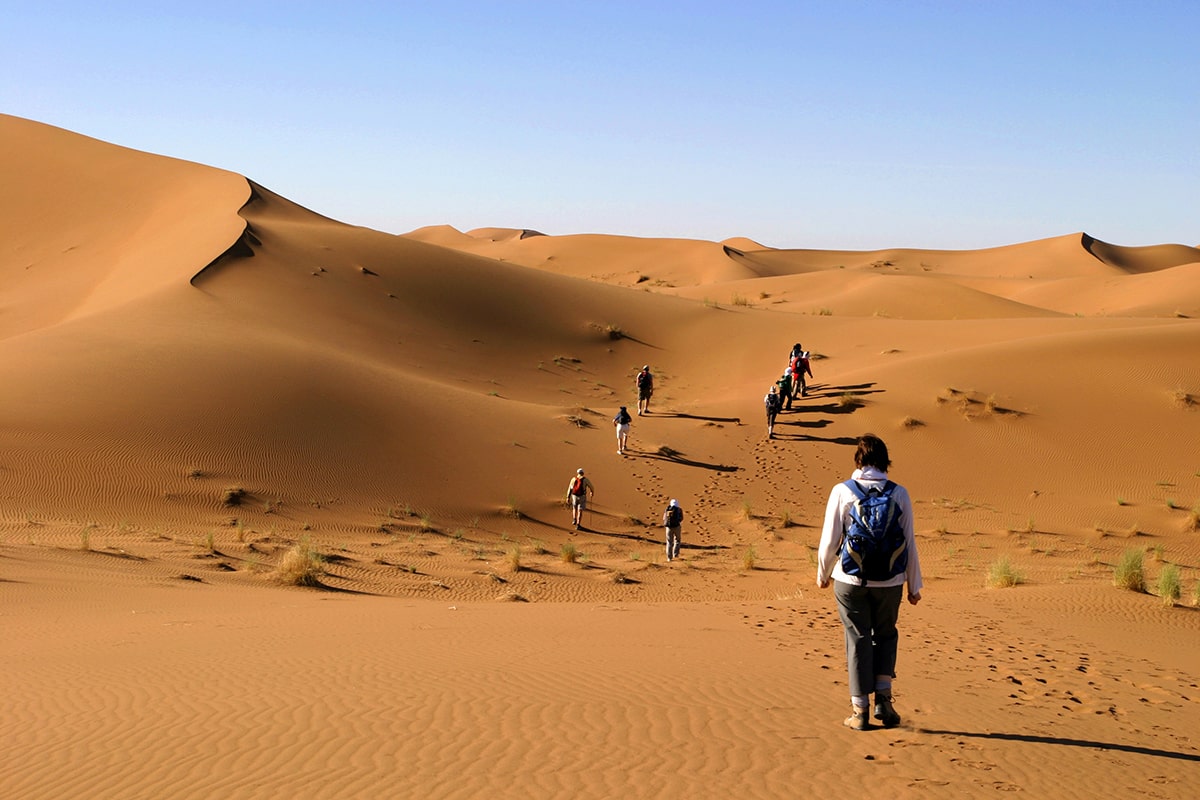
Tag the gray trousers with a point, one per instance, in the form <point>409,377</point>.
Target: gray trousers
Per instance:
<point>869,615</point>
<point>672,543</point>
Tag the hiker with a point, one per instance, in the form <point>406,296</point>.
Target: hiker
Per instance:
<point>645,388</point>
<point>868,550</point>
<point>577,495</point>
<point>801,365</point>
<point>672,519</point>
<point>773,403</point>
<point>621,422</point>
<point>785,388</point>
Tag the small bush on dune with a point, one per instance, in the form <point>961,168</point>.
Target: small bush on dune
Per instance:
<point>749,559</point>
<point>1003,575</point>
<point>300,566</point>
<point>849,400</point>
<point>1191,523</point>
<point>514,558</point>
<point>1170,589</point>
<point>569,553</point>
<point>1128,574</point>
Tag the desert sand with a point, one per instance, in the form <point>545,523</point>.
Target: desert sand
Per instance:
<point>201,378</point>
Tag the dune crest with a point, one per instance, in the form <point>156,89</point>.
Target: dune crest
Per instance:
<point>1142,259</point>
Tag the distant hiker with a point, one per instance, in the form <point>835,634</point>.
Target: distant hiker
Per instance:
<point>621,422</point>
<point>577,495</point>
<point>785,388</point>
<point>801,366</point>
<point>773,403</point>
<point>868,549</point>
<point>672,519</point>
<point>645,388</point>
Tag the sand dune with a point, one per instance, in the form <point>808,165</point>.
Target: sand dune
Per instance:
<point>200,374</point>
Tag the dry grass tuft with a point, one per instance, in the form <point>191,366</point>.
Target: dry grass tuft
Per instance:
<point>911,422</point>
<point>1170,589</point>
<point>1184,399</point>
<point>510,509</point>
<point>1003,575</point>
<point>569,553</point>
<point>1128,573</point>
<point>233,496</point>
<point>749,559</point>
<point>300,566</point>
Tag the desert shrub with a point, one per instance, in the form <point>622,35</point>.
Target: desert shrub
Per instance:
<point>749,559</point>
<point>1003,574</point>
<point>300,566</point>
<point>1191,522</point>
<point>233,496</point>
<point>510,508</point>
<point>1128,573</point>
<point>1170,589</point>
<point>848,400</point>
<point>569,553</point>
<point>514,558</point>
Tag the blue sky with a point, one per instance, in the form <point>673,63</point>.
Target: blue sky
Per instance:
<point>838,125</point>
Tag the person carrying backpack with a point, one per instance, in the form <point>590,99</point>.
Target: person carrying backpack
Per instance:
<point>869,551</point>
<point>577,495</point>
<point>621,422</point>
<point>672,520</point>
<point>785,384</point>
<point>645,389</point>
<point>773,403</point>
<point>801,366</point>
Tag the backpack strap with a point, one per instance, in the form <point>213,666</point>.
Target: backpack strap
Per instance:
<point>855,487</point>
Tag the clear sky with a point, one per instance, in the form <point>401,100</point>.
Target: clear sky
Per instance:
<point>833,125</point>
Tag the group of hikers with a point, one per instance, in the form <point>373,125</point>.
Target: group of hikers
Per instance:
<point>867,549</point>
<point>791,384</point>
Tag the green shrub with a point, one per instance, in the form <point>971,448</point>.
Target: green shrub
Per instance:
<point>1169,587</point>
<point>1003,575</point>
<point>1128,574</point>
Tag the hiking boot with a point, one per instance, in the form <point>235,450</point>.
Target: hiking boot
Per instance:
<point>884,712</point>
<point>857,721</point>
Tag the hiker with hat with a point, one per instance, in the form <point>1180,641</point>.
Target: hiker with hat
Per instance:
<point>645,388</point>
<point>577,495</point>
<point>785,388</point>
<point>773,402</point>
<point>672,520</point>
<point>621,422</point>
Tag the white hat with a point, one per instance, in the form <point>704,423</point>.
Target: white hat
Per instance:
<point>674,502</point>
<point>579,471</point>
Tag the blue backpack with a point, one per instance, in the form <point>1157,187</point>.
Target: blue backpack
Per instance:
<point>873,544</point>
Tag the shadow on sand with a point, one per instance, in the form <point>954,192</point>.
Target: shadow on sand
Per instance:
<point>1063,741</point>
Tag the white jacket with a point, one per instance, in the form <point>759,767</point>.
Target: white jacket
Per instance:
<point>829,562</point>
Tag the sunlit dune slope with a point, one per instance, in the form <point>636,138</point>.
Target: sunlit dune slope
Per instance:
<point>205,333</point>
